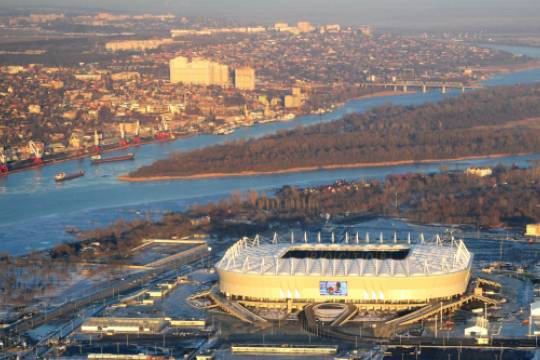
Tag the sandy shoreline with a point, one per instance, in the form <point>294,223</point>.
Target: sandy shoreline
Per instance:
<point>308,168</point>
<point>533,64</point>
<point>376,94</point>
<point>383,93</point>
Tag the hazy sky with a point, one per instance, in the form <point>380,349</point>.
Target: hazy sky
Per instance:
<point>412,13</point>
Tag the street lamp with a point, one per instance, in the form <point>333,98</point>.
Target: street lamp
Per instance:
<point>208,256</point>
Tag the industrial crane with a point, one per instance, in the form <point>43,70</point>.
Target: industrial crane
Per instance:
<point>36,151</point>
<point>3,164</point>
<point>137,138</point>
<point>164,133</point>
<point>97,145</point>
<point>123,141</point>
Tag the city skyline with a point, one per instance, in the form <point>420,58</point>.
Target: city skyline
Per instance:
<point>389,13</point>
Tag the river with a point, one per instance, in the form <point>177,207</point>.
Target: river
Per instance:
<point>34,210</point>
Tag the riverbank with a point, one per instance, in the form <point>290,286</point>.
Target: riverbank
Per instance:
<point>87,153</point>
<point>187,168</point>
<point>490,71</point>
<point>177,136</point>
<point>384,93</point>
<point>373,95</point>
<point>498,69</point>
<point>127,178</point>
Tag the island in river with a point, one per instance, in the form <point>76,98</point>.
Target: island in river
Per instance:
<point>490,122</point>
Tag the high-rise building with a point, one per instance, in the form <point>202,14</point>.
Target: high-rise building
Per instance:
<point>296,100</point>
<point>292,101</point>
<point>331,28</point>
<point>305,26</point>
<point>244,78</point>
<point>280,26</point>
<point>198,72</point>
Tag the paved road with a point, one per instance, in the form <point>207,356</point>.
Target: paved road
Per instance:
<point>103,297</point>
<point>312,325</point>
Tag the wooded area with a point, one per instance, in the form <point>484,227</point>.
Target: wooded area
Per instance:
<point>508,198</point>
<point>473,124</point>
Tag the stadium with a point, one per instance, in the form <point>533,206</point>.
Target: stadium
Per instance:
<point>351,270</point>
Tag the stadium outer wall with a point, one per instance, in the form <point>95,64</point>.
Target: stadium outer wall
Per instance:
<point>361,289</point>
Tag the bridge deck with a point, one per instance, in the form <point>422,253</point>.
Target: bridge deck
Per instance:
<point>235,309</point>
<point>482,281</point>
<point>348,313</point>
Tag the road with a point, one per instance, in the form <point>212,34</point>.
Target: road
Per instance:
<point>101,298</point>
<point>312,325</point>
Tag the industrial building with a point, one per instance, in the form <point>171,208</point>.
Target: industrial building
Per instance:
<point>198,72</point>
<point>352,270</point>
<point>124,325</point>
<point>479,171</point>
<point>534,318</point>
<point>532,230</point>
<point>480,327</point>
<point>136,45</point>
<point>137,325</point>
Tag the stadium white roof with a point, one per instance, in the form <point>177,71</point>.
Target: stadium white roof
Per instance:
<point>272,257</point>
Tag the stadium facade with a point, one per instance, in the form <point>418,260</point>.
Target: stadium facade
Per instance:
<point>352,270</point>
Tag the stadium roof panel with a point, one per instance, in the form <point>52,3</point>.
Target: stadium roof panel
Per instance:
<point>257,256</point>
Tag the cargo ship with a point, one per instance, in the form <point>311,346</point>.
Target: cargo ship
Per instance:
<point>97,159</point>
<point>64,177</point>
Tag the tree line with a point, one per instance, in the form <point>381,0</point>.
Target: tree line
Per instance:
<point>507,198</point>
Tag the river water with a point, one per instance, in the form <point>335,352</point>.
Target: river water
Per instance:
<point>34,210</point>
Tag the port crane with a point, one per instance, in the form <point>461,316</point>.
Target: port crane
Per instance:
<point>137,138</point>
<point>36,151</point>
<point>3,163</point>
<point>97,145</point>
<point>164,133</point>
<point>123,141</point>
